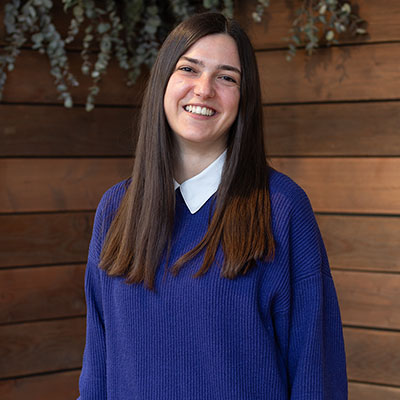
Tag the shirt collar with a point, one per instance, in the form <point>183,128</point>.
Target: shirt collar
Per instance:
<point>198,189</point>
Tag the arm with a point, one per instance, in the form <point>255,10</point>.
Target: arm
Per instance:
<point>316,359</point>
<point>310,330</point>
<point>92,382</point>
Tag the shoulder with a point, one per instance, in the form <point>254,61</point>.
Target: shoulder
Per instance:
<point>295,227</point>
<point>291,209</point>
<point>105,213</point>
<point>109,205</point>
<point>111,199</point>
<point>286,194</point>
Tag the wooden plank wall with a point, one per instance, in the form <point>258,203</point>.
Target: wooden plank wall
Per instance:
<point>54,165</point>
<point>332,124</point>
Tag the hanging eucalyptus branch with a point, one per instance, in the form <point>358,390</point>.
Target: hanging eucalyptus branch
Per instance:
<point>33,18</point>
<point>321,22</point>
<point>132,30</point>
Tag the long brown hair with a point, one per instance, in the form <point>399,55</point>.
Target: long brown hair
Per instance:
<point>142,227</point>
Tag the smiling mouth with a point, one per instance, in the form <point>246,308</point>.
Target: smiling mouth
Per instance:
<point>208,112</point>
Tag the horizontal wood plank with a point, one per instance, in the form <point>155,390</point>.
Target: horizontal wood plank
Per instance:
<point>382,18</point>
<point>369,299</point>
<point>340,73</point>
<point>292,130</point>
<point>58,184</point>
<point>44,238</point>
<point>29,294</point>
<point>57,131</point>
<point>347,185</point>
<point>43,387</point>
<point>334,74</point>
<point>373,356</point>
<point>347,129</point>
<point>363,391</point>
<point>37,347</point>
<point>363,243</point>
<point>369,185</point>
<point>63,238</point>
<point>65,384</point>
<point>31,82</point>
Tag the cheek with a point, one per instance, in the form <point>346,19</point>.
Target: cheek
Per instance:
<point>232,103</point>
<point>168,95</point>
<point>176,90</point>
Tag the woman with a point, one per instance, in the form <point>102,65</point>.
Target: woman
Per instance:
<point>207,277</point>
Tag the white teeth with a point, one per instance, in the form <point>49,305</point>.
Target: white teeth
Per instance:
<point>199,110</point>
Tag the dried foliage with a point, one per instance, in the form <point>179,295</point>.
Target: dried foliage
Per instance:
<point>322,22</point>
<point>132,30</point>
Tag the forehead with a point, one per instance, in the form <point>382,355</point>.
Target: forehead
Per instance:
<point>215,49</point>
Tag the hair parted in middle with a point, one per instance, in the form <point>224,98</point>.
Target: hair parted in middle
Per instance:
<point>142,228</point>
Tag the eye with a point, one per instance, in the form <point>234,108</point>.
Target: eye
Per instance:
<point>228,79</point>
<point>186,69</point>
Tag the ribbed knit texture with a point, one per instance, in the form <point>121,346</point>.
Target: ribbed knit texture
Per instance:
<point>272,334</point>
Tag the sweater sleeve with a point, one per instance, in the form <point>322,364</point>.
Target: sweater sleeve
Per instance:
<point>92,382</point>
<point>309,329</point>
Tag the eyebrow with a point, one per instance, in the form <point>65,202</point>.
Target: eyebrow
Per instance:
<point>225,67</point>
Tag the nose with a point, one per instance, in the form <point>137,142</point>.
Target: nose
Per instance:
<point>204,86</point>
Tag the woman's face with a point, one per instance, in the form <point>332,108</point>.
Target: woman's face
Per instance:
<point>202,96</point>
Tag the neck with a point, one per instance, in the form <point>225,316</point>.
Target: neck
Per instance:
<point>191,163</point>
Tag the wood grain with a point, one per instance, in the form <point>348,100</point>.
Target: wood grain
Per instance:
<point>44,238</point>
<point>58,184</point>
<point>369,185</point>
<point>347,129</point>
<point>29,294</point>
<point>382,18</point>
<point>347,185</point>
<point>363,243</point>
<point>27,87</point>
<point>291,130</point>
<point>37,347</point>
<point>369,299</point>
<point>64,385</point>
<point>368,72</point>
<point>373,356</point>
<point>363,391</point>
<point>55,131</point>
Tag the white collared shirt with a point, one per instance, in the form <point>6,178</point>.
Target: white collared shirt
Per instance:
<point>198,189</point>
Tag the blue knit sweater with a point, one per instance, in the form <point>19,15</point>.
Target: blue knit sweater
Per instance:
<point>272,334</point>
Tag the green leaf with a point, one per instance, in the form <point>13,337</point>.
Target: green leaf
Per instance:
<point>85,69</point>
<point>103,27</point>
<point>78,11</point>
<point>105,45</point>
<point>61,87</point>
<point>37,37</point>
<point>68,103</point>
<point>47,3</point>
<point>151,29</point>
